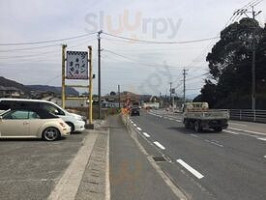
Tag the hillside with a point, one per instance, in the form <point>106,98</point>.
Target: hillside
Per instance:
<point>57,90</point>
<point>37,88</point>
<point>10,83</point>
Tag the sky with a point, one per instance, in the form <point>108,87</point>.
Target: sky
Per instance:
<point>145,45</point>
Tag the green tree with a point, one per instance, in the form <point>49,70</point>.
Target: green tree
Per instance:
<point>230,62</point>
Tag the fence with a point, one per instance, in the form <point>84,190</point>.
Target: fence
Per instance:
<point>248,115</point>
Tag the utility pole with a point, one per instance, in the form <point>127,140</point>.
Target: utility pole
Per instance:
<point>63,95</point>
<point>254,14</point>
<point>170,91</point>
<point>253,68</point>
<point>91,126</point>
<point>184,85</point>
<point>99,76</point>
<point>119,97</point>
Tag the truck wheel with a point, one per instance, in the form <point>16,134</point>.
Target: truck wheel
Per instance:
<point>218,129</point>
<point>186,122</point>
<point>197,127</point>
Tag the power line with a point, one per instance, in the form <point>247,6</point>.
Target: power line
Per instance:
<point>47,41</point>
<point>38,47</point>
<point>159,42</point>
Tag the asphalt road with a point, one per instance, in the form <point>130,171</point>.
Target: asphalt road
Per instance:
<point>226,165</point>
<point>131,175</point>
<point>29,169</point>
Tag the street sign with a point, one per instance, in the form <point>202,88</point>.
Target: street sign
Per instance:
<point>172,91</point>
<point>77,65</point>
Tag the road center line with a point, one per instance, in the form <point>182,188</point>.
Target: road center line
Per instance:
<point>190,169</point>
<point>159,145</point>
<point>139,128</point>
<point>134,125</point>
<point>146,134</point>
<point>263,139</point>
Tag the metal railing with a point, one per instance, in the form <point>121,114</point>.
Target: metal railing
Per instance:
<point>248,115</point>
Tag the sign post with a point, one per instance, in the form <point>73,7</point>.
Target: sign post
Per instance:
<point>63,75</point>
<point>77,68</point>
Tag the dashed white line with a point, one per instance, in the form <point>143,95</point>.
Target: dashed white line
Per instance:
<point>263,139</point>
<point>134,124</point>
<point>159,145</point>
<point>139,128</point>
<point>193,135</point>
<point>178,120</point>
<point>146,134</point>
<point>265,156</point>
<point>190,169</point>
<point>227,131</point>
<point>215,143</point>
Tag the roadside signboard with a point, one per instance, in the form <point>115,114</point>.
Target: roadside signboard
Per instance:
<point>77,65</point>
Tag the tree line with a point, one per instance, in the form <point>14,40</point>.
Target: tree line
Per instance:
<point>229,84</point>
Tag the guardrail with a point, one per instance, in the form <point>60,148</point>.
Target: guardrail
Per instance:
<point>244,114</point>
<point>248,115</point>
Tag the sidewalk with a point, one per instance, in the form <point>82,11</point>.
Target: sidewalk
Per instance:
<point>110,165</point>
<point>131,174</point>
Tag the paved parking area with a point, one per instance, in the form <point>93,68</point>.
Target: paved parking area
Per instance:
<point>29,169</point>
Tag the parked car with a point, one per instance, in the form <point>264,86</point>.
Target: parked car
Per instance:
<point>76,122</point>
<point>32,123</point>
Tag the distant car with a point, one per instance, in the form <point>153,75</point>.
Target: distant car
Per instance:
<point>37,123</point>
<point>134,111</point>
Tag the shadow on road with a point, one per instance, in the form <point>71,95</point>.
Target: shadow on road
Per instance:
<point>191,131</point>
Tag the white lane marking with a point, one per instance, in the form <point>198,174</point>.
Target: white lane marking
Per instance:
<point>159,145</point>
<point>214,142</point>
<point>238,124</point>
<point>227,131</point>
<point>146,134</point>
<point>247,131</point>
<point>193,135</point>
<point>265,156</point>
<point>178,120</point>
<point>190,169</point>
<point>263,139</point>
<point>139,128</point>
<point>134,125</point>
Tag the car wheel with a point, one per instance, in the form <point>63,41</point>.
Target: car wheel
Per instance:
<point>71,126</point>
<point>51,134</point>
<point>197,127</point>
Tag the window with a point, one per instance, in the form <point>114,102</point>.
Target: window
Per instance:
<point>52,109</point>
<point>18,114</point>
<point>33,115</point>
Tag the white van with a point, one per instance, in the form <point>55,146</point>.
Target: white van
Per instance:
<point>76,122</point>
